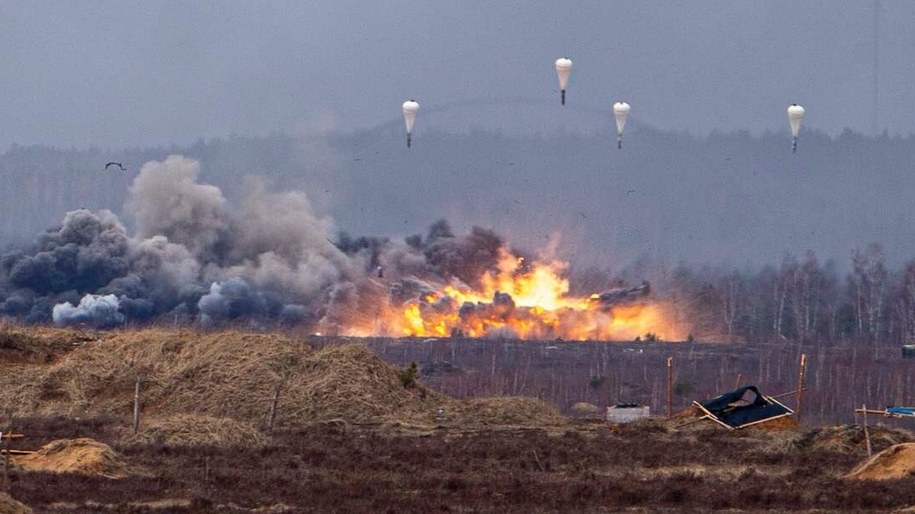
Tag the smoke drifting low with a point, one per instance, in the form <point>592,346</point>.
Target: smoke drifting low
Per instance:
<point>196,259</point>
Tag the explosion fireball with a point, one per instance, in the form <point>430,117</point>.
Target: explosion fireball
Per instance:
<point>530,301</point>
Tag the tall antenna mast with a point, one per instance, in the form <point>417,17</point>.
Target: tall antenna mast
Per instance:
<point>876,103</point>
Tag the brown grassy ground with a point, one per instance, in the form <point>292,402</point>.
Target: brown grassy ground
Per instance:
<point>338,467</point>
<point>350,438</point>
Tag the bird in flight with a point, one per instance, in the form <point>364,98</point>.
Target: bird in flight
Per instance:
<point>119,165</point>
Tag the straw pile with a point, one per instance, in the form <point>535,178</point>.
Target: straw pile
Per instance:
<point>350,382</point>
<point>897,461</point>
<point>236,376</point>
<point>85,456</point>
<point>37,345</point>
<point>850,438</point>
<point>194,430</point>
<point>225,374</point>
<point>509,410</point>
<point>587,410</point>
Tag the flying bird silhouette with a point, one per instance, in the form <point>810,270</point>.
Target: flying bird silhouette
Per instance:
<point>119,165</point>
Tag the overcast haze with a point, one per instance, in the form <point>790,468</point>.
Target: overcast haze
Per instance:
<point>117,74</point>
<point>314,92</point>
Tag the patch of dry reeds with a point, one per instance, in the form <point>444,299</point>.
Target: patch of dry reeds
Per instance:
<point>195,430</point>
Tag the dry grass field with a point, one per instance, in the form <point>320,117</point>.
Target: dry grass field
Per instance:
<point>241,422</point>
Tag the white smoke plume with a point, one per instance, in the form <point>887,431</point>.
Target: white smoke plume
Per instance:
<point>95,310</point>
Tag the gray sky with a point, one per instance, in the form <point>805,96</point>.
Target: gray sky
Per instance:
<point>115,74</point>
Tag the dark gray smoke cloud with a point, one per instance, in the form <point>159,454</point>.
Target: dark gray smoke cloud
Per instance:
<point>196,258</point>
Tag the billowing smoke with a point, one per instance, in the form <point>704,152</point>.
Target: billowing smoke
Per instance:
<point>96,310</point>
<point>195,258</point>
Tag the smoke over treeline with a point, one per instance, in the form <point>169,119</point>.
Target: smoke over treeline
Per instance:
<point>195,258</point>
<point>726,198</point>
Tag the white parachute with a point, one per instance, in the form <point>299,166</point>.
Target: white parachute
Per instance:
<point>620,112</point>
<point>795,117</point>
<point>563,70</point>
<point>410,108</point>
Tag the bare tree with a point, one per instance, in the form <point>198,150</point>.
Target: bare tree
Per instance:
<point>732,289</point>
<point>783,289</point>
<point>869,278</point>
<point>806,296</point>
<point>905,303</point>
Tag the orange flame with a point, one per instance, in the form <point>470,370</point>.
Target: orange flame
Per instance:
<point>528,302</point>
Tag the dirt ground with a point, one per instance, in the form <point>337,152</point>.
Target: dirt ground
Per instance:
<point>382,445</point>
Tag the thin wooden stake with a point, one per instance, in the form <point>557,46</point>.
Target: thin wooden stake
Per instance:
<point>276,398</point>
<point>670,387</point>
<point>739,376</point>
<point>136,407</point>
<point>6,464</point>
<point>867,436</point>
<point>800,385</point>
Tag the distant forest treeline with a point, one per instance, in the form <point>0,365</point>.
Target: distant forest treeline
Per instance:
<point>799,300</point>
<point>772,245</point>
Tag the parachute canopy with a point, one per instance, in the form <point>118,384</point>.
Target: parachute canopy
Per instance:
<point>410,108</point>
<point>620,112</point>
<point>563,70</point>
<point>795,117</point>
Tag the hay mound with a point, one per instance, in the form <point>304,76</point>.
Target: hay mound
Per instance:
<point>38,345</point>
<point>10,506</point>
<point>850,438</point>
<point>351,382</point>
<point>221,375</point>
<point>509,410</point>
<point>85,456</point>
<point>897,461</point>
<point>585,409</point>
<point>195,430</point>
<point>226,374</point>
<point>236,375</point>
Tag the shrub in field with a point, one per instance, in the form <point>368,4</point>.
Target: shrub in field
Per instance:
<point>409,375</point>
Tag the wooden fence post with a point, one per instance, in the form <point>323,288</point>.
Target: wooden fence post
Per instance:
<point>800,385</point>
<point>136,407</point>
<point>867,436</point>
<point>276,398</point>
<point>6,462</point>
<point>670,386</point>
